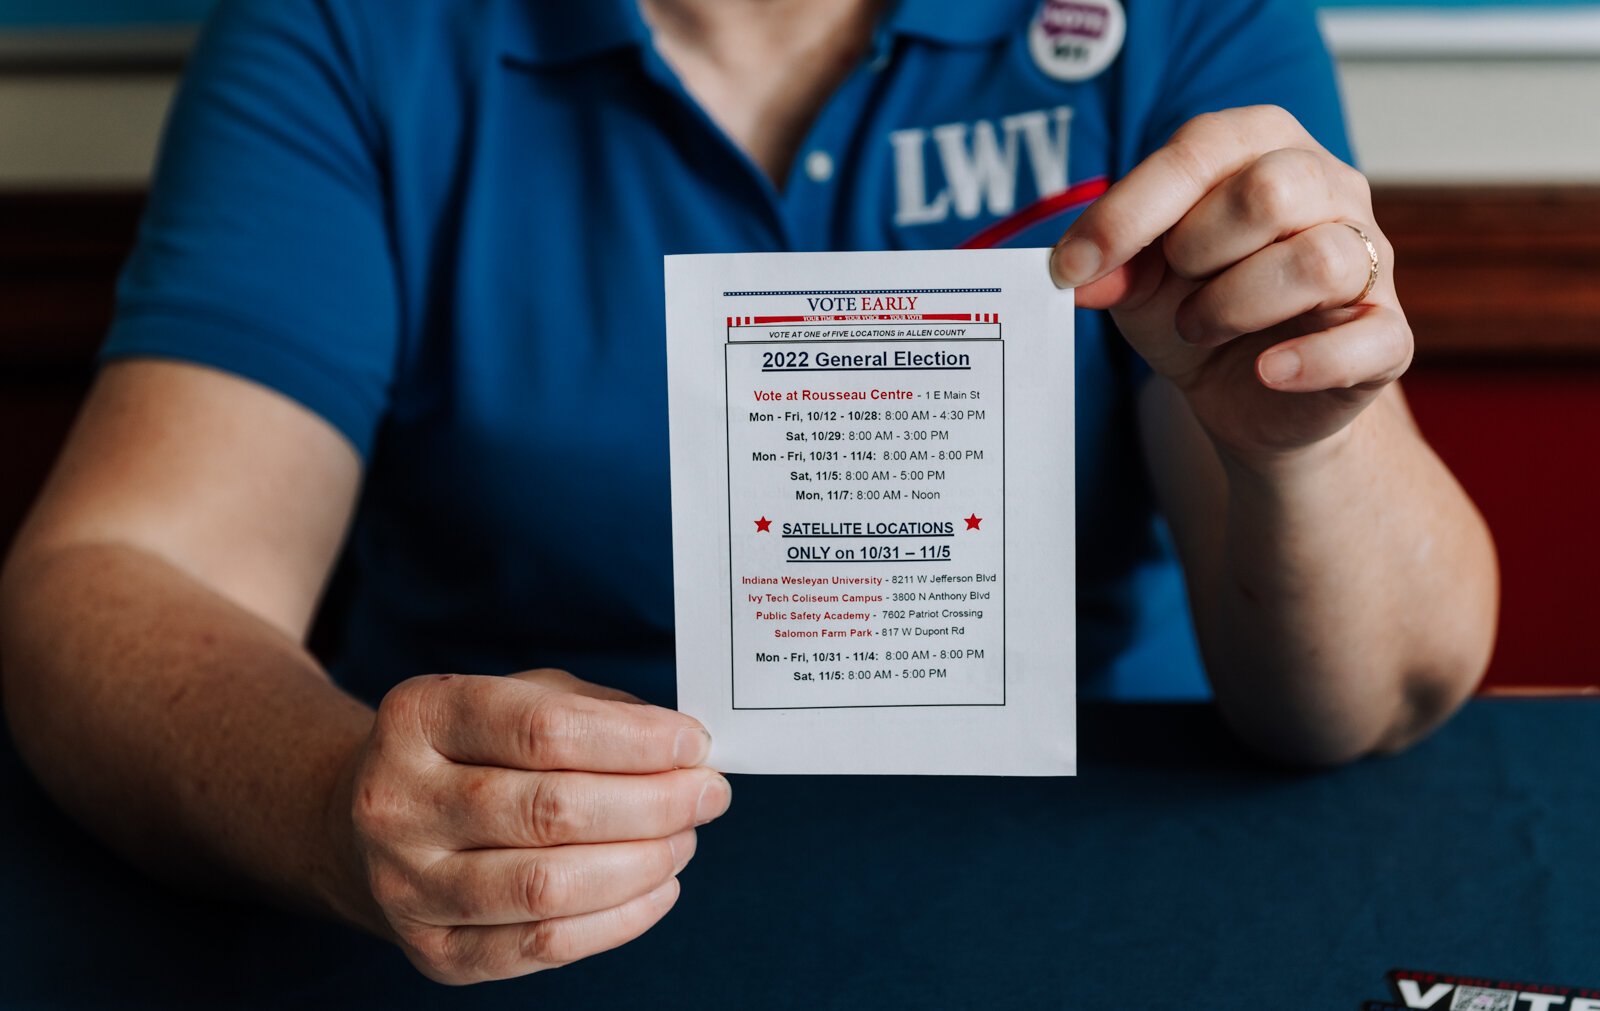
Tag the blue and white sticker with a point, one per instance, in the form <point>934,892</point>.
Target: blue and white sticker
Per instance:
<point>1073,40</point>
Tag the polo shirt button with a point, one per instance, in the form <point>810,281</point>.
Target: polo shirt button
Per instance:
<point>819,166</point>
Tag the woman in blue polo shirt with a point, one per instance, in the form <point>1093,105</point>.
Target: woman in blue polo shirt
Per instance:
<point>399,289</point>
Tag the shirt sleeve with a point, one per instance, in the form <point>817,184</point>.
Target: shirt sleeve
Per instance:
<point>264,249</point>
<point>1242,52</point>
<point>1255,52</point>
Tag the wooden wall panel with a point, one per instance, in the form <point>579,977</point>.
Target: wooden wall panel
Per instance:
<point>1497,273</point>
<point>1502,287</point>
<point>1509,272</point>
<point>59,255</point>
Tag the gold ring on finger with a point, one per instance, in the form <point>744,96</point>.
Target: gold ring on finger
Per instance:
<point>1372,263</point>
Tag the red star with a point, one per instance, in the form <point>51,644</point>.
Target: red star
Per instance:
<point>973,521</point>
<point>763,525</point>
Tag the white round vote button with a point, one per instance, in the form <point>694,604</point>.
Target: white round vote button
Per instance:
<point>819,166</point>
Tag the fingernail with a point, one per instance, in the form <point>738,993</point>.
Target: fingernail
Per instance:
<point>1277,367</point>
<point>715,797</point>
<point>682,846</point>
<point>691,748</point>
<point>1073,262</point>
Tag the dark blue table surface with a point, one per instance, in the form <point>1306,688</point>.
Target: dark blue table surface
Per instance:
<point>1175,872</point>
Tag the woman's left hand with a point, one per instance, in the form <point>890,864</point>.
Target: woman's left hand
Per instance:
<point>1231,262</point>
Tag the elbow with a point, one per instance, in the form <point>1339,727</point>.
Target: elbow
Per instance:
<point>1429,693</point>
<point>1429,698</point>
<point>1417,672</point>
<point>42,641</point>
<point>10,604</point>
<point>1305,748</point>
<point>19,689</point>
<point>1376,722</point>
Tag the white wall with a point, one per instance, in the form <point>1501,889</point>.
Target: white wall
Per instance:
<point>1474,96</point>
<point>64,131</point>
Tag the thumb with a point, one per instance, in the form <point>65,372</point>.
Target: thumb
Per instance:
<point>1132,284</point>
<point>1143,296</point>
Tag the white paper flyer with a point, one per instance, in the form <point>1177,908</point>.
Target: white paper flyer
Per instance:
<point>872,510</point>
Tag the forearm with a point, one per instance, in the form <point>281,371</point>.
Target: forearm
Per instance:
<point>1344,597</point>
<point>193,736</point>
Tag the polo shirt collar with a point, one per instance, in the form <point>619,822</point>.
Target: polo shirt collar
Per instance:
<point>549,32</point>
<point>957,22</point>
<point>554,32</point>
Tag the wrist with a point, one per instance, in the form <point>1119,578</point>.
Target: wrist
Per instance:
<point>1277,469</point>
<point>343,889</point>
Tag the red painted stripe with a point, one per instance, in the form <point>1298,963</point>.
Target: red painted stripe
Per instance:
<point>1039,210</point>
<point>902,317</point>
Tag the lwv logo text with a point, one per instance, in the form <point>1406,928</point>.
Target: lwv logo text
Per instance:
<point>980,162</point>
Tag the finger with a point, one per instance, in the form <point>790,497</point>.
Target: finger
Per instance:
<point>1131,284</point>
<point>1160,190</point>
<point>513,724</point>
<point>473,954</point>
<point>1371,350</point>
<point>1320,268</point>
<point>1143,296</point>
<point>1281,193</point>
<point>491,887</point>
<point>549,677</point>
<point>488,807</point>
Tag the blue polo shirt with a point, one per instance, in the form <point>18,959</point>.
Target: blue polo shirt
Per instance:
<point>439,225</point>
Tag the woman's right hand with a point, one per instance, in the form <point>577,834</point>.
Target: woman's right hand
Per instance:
<point>505,825</point>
